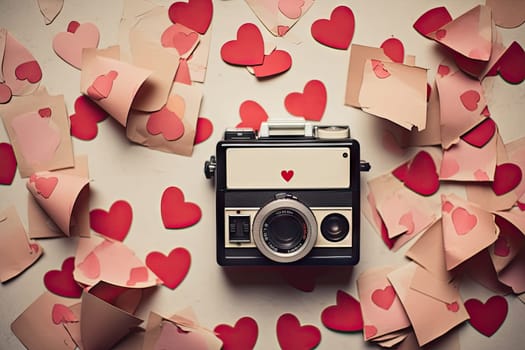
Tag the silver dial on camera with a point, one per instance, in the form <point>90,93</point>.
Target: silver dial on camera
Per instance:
<point>333,132</point>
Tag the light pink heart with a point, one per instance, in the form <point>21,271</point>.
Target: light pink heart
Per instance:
<point>463,221</point>
<point>69,45</point>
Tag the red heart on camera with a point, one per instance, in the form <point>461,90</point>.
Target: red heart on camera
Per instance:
<point>175,211</point>
<point>345,316</point>
<point>487,317</point>
<point>247,49</point>
<point>114,224</point>
<point>291,335</point>
<point>242,336</point>
<point>84,121</point>
<point>309,104</point>
<point>62,282</point>
<point>419,174</point>
<point>171,269</point>
<point>252,115</point>
<point>336,32</point>
<point>194,14</point>
<point>7,164</point>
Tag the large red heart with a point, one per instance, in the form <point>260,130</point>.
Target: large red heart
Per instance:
<point>29,71</point>
<point>394,49</point>
<point>277,62</point>
<point>310,104</point>
<point>62,282</point>
<point>432,20</point>
<point>252,115</point>
<point>114,224</point>
<point>336,32</point>
<point>506,178</point>
<point>170,269</point>
<point>510,65</point>
<point>345,316</point>
<point>487,317</point>
<point>242,336</point>
<point>84,121</point>
<point>247,49</point>
<point>419,174</point>
<point>384,298</point>
<point>203,130</point>
<point>7,164</point>
<point>194,14</point>
<point>292,336</point>
<point>480,135</point>
<point>167,123</point>
<point>175,212</point>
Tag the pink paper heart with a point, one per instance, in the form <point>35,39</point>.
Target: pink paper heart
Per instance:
<point>5,93</point>
<point>137,275</point>
<point>345,316</point>
<point>90,266</point>
<point>45,112</point>
<point>62,314</point>
<point>194,14</point>
<point>29,71</point>
<point>171,269</point>
<point>252,115</point>
<point>282,30</point>
<point>176,212</point>
<point>309,104</point>
<point>291,8</point>
<point>506,178</point>
<point>242,336</point>
<point>443,70</point>
<point>454,307</point>
<point>45,185</point>
<point>69,45</point>
<point>102,85</point>
<point>179,37</point>
<point>379,69</point>
<point>247,49</point>
<point>167,123</point>
<point>394,49</point>
<point>463,221</point>
<point>384,298</point>
<point>407,220</point>
<point>336,32</point>
<point>487,317</point>
<point>449,167</point>
<point>470,99</point>
<point>369,331</point>
<point>291,335</point>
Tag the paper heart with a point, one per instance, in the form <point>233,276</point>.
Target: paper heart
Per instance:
<point>336,32</point>
<point>506,178</point>
<point>443,70</point>
<point>407,220</point>
<point>292,9</point>
<point>447,207</point>
<point>45,185</point>
<point>194,14</point>
<point>114,224</point>
<point>252,115</point>
<point>102,85</point>
<point>242,336</point>
<point>369,331</point>
<point>247,49</point>
<point>481,175</point>
<point>29,71</point>
<point>62,282</point>
<point>345,316</point>
<point>60,313</point>
<point>470,99</point>
<point>137,275</point>
<point>419,174</point>
<point>5,93</point>
<point>384,298</point>
<point>449,167</point>
<point>203,130</point>
<point>281,30</point>
<point>463,220</point>
<point>178,37</point>
<point>90,266</point>
<point>379,69</point>
<point>432,20</point>
<point>291,335</point>
<point>167,123</point>
<point>45,112</point>
<point>171,269</point>
<point>487,317</point>
<point>84,121</point>
<point>394,49</point>
<point>309,104</point>
<point>177,213</point>
<point>480,135</point>
<point>7,164</point>
<point>287,175</point>
<point>277,62</point>
<point>501,247</point>
<point>454,307</point>
<point>510,65</point>
<point>69,45</point>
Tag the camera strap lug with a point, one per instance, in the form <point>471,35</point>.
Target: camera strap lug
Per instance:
<point>364,166</point>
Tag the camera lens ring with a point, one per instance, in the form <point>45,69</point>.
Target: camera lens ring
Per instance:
<point>278,213</point>
<point>335,227</point>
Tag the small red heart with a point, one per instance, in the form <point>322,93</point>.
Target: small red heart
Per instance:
<point>419,174</point>
<point>45,186</point>
<point>287,175</point>
<point>242,336</point>
<point>102,85</point>
<point>481,134</point>
<point>487,317</point>
<point>114,224</point>
<point>379,69</point>
<point>309,104</point>
<point>277,62</point>
<point>203,130</point>
<point>175,212</point>
<point>62,282</point>
<point>62,314</point>
<point>194,14</point>
<point>369,331</point>
<point>292,336</point>
<point>247,49</point>
<point>443,70</point>
<point>7,164</point>
<point>463,221</point>
<point>506,178</point>
<point>73,26</point>
<point>252,115</point>
<point>336,32</point>
<point>510,65</point>
<point>470,99</point>
<point>432,20</point>
<point>454,307</point>
<point>345,316</point>
<point>29,71</point>
<point>394,49</point>
<point>5,93</point>
<point>171,269</point>
<point>45,112</point>
<point>167,123</point>
<point>84,121</point>
<point>384,298</point>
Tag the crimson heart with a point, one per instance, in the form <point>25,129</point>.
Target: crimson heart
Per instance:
<point>194,14</point>
<point>510,65</point>
<point>480,135</point>
<point>394,49</point>
<point>345,316</point>
<point>432,20</point>
<point>384,298</point>
<point>175,212</point>
<point>114,224</point>
<point>242,336</point>
<point>171,269</point>
<point>167,123</point>
<point>29,71</point>
<point>247,49</point>
<point>62,282</point>
<point>277,62</point>
<point>7,164</point>
<point>287,175</point>
<point>419,174</point>
<point>336,32</point>
<point>252,115</point>
<point>506,178</point>
<point>292,336</point>
<point>487,317</point>
<point>203,130</point>
<point>84,121</point>
<point>309,104</point>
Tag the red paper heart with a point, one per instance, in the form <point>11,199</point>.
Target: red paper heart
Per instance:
<point>443,70</point>
<point>487,317</point>
<point>242,336</point>
<point>432,20</point>
<point>506,178</point>
<point>345,316</point>
<point>171,269</point>
<point>247,49</point>
<point>454,307</point>
<point>45,185</point>
<point>310,104</point>
<point>394,49</point>
<point>463,221</point>
<point>510,65</point>
<point>62,282</point>
<point>277,62</point>
<point>287,175</point>
<point>203,130</point>
<point>114,224</point>
<point>175,212</point>
<point>84,121</point>
<point>102,85</point>
<point>167,123</point>
<point>480,135</point>
<point>29,71</point>
<point>419,174</point>
<point>7,164</point>
<point>45,112</point>
<point>252,115</point>
<point>292,336</point>
<point>5,93</point>
<point>62,314</point>
<point>369,331</point>
<point>336,32</point>
<point>470,99</point>
<point>384,298</point>
<point>194,14</point>
<point>178,37</point>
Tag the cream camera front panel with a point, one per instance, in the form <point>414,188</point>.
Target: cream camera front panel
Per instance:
<point>286,167</point>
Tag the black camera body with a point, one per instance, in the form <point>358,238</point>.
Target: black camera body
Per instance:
<point>287,195</point>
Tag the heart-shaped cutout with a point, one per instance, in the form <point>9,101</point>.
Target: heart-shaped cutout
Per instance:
<point>480,135</point>
<point>292,9</point>
<point>90,266</point>
<point>29,71</point>
<point>45,112</point>
<point>345,315</point>
<point>5,93</point>
<point>180,38</point>
<point>463,221</point>
<point>194,14</point>
<point>167,123</point>
<point>84,121</point>
<point>171,269</point>
<point>506,178</point>
<point>102,85</point>
<point>115,223</point>
<point>310,104</point>
<point>287,175</point>
<point>277,62</point>
<point>45,186</point>
<point>379,69</point>
<point>69,45</point>
<point>487,317</point>
<point>242,336</point>
<point>252,115</point>
<point>7,164</point>
<point>291,335</point>
<point>176,212</point>
<point>470,99</point>
<point>62,282</point>
<point>432,20</point>
<point>203,130</point>
<point>336,32</point>
<point>369,331</point>
<point>247,49</point>
<point>453,307</point>
<point>384,298</point>
<point>510,65</point>
<point>60,313</point>
<point>394,49</point>
<point>419,174</point>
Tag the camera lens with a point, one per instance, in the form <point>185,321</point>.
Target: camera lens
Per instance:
<point>284,231</point>
<point>334,227</point>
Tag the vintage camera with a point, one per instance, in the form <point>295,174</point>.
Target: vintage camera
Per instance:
<point>287,195</point>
